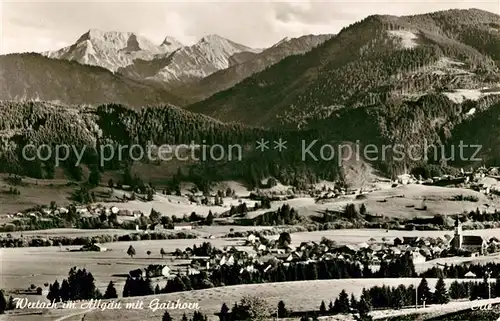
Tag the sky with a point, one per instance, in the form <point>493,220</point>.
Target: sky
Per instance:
<point>34,25</point>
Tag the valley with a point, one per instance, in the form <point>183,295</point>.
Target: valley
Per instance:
<point>318,177</point>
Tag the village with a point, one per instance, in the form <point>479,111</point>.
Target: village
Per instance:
<point>253,255</point>
<point>473,179</point>
<point>258,253</point>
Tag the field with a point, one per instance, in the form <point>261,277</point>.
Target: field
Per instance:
<point>24,266</point>
<point>356,236</point>
<point>403,201</point>
<point>407,201</point>
<point>300,295</point>
<point>32,195</point>
<point>18,270</point>
<point>69,232</point>
<point>201,231</point>
<point>35,192</point>
<point>179,206</point>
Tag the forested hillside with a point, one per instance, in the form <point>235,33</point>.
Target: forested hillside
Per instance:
<point>384,80</point>
<point>37,123</point>
<point>33,76</point>
<point>377,60</point>
<point>229,77</point>
<point>421,80</point>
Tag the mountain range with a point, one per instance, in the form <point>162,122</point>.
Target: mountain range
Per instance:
<point>173,72</point>
<point>33,76</point>
<point>384,80</point>
<point>173,63</point>
<point>189,63</point>
<point>376,61</point>
<point>112,50</point>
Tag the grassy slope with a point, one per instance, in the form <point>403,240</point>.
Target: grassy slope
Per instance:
<point>293,294</point>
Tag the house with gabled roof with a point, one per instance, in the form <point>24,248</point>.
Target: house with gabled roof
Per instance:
<point>417,258</point>
<point>470,275</point>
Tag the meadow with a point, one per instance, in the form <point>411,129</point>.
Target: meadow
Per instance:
<point>415,200</point>
<point>298,296</point>
<point>24,266</point>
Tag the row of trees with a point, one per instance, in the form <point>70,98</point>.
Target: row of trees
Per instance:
<point>331,269</point>
<point>284,215</point>
<point>104,238</point>
<point>115,125</point>
<point>350,213</point>
<point>459,271</point>
<point>197,316</point>
<point>80,285</point>
<point>377,297</point>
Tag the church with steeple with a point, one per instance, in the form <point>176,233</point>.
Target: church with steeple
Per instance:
<point>473,244</point>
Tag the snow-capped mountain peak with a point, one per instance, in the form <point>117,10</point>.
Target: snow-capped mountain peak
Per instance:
<point>171,44</point>
<point>211,38</point>
<point>210,54</point>
<point>282,41</point>
<point>109,49</point>
<point>176,63</point>
<point>216,41</point>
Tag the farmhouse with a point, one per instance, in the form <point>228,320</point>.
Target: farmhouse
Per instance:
<point>125,212</point>
<point>417,258</point>
<point>183,226</point>
<point>251,238</point>
<point>406,179</point>
<point>192,271</point>
<point>467,243</point>
<point>157,227</point>
<point>411,240</point>
<point>94,247</point>
<point>470,275</point>
<point>229,261</point>
<point>155,270</point>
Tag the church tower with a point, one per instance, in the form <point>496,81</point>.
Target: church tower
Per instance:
<point>458,239</point>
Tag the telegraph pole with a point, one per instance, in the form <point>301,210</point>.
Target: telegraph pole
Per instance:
<point>416,297</point>
<point>488,274</point>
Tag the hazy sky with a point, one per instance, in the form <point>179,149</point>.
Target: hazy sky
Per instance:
<point>41,25</point>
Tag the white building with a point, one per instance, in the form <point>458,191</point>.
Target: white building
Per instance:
<point>251,238</point>
<point>183,226</point>
<point>417,258</point>
<point>165,271</point>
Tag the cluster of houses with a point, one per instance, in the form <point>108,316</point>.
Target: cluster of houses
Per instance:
<point>82,210</point>
<point>470,179</point>
<point>95,210</point>
<point>93,247</point>
<point>44,212</point>
<point>421,249</point>
<point>371,251</point>
<point>161,271</point>
<point>257,251</point>
<point>269,255</point>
